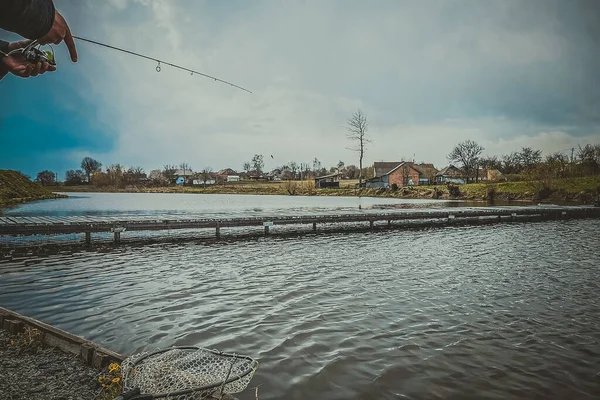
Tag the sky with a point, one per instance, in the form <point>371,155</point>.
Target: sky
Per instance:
<point>428,74</point>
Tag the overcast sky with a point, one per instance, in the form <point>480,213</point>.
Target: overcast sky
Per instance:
<point>428,74</point>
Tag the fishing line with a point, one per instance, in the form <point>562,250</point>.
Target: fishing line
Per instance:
<point>159,62</point>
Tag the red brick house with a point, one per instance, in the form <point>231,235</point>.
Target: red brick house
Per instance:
<point>402,173</point>
<point>405,174</point>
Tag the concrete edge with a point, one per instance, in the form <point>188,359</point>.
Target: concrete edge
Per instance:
<point>92,354</point>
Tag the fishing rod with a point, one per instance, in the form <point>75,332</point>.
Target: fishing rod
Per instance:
<point>33,53</point>
<point>158,68</point>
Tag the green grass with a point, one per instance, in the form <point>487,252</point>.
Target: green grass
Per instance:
<point>563,189</point>
<point>16,188</point>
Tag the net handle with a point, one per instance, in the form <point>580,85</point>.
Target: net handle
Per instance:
<point>199,388</point>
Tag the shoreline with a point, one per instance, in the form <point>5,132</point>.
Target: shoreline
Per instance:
<point>569,191</point>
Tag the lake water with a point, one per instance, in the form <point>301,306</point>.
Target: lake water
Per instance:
<point>508,311</point>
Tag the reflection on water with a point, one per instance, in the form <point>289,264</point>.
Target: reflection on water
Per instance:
<point>494,312</point>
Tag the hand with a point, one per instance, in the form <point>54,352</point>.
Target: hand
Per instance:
<point>60,31</point>
<point>19,66</point>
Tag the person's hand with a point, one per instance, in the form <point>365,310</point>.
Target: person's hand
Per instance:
<point>19,66</point>
<point>60,31</point>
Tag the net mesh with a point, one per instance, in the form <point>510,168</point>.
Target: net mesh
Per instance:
<point>200,372</point>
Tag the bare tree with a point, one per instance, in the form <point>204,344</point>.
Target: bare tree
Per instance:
<point>74,177</point>
<point>529,157</point>
<point>205,174</point>
<point>247,167</point>
<point>169,172</point>
<point>258,163</point>
<point>467,154</point>
<point>185,167</point>
<point>357,132</point>
<point>157,177</point>
<point>90,166</point>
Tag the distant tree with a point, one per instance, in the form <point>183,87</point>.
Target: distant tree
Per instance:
<point>340,165</point>
<point>511,163</point>
<point>46,177</point>
<point>169,172</point>
<point>134,175</point>
<point>157,178</point>
<point>357,132</point>
<point>351,172</point>
<point>205,175</point>
<point>529,157</point>
<point>588,158</point>
<point>294,167</point>
<point>304,170</point>
<point>247,167</point>
<point>74,177</point>
<point>490,163</point>
<point>115,175</point>
<point>467,154</point>
<point>90,166</point>
<point>258,163</point>
<point>316,166</point>
<point>185,167</point>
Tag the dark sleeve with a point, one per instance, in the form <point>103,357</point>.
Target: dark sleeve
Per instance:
<point>3,48</point>
<point>31,19</point>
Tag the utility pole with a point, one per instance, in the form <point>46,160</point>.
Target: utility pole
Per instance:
<point>572,151</point>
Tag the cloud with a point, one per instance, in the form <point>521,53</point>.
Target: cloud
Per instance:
<point>427,73</point>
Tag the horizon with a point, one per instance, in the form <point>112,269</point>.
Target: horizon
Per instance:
<point>428,75</point>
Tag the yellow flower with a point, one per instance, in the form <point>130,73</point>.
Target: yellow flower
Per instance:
<point>116,380</point>
<point>24,341</point>
<point>114,367</point>
<point>12,342</point>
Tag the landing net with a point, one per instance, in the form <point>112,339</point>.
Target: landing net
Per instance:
<point>186,373</point>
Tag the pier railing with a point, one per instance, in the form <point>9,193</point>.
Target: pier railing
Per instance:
<point>30,226</point>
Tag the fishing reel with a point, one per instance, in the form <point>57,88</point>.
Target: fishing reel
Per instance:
<point>34,54</point>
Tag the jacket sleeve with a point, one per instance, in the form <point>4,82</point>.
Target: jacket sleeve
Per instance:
<point>4,49</point>
<point>31,19</point>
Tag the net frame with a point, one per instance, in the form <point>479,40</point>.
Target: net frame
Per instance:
<point>252,366</point>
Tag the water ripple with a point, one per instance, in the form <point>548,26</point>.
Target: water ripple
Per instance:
<point>494,312</point>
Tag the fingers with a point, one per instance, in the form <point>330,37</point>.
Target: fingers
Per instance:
<point>71,45</point>
<point>35,70</point>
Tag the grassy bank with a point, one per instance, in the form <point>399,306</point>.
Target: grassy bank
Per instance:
<point>16,188</point>
<point>582,190</point>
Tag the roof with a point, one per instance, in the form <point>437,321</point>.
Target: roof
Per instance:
<point>383,167</point>
<point>227,171</point>
<point>408,164</point>
<point>447,170</point>
<point>427,169</point>
<point>328,176</point>
<point>188,172</point>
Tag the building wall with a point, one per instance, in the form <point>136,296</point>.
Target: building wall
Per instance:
<point>401,177</point>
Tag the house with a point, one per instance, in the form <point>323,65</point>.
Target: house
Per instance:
<point>450,174</point>
<point>328,181</point>
<point>494,175</point>
<point>227,175</point>
<point>182,177</point>
<point>401,173</point>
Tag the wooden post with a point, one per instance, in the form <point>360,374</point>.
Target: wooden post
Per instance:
<point>88,237</point>
<point>389,223</point>
<point>371,224</point>
<point>266,230</point>
<point>218,230</point>
<point>314,226</point>
<point>117,236</point>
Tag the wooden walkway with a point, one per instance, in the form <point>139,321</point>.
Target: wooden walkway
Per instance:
<point>30,226</point>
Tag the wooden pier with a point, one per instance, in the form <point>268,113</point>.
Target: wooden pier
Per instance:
<point>87,225</point>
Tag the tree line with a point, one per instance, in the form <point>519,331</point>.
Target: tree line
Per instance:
<point>527,163</point>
